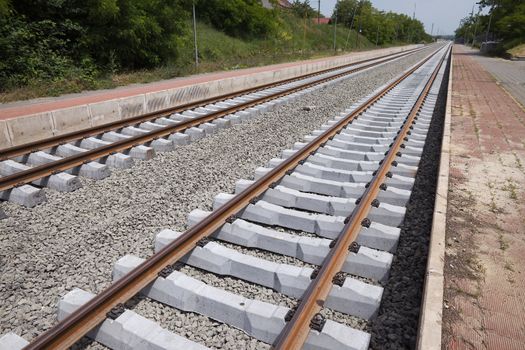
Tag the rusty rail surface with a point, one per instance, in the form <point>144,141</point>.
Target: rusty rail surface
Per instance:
<point>47,169</point>
<point>297,329</point>
<point>30,147</point>
<point>88,316</point>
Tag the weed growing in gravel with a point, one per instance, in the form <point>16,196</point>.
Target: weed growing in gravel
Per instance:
<point>511,187</point>
<point>476,294</point>
<point>476,265</point>
<point>518,161</point>
<point>503,245</point>
<point>473,115</point>
<point>493,207</point>
<point>498,227</point>
<point>476,130</point>
<point>471,196</point>
<point>508,266</point>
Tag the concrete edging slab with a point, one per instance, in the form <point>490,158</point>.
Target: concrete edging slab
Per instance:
<point>430,321</point>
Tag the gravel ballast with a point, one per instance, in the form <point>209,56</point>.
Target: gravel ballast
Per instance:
<point>396,326</point>
<point>74,239</point>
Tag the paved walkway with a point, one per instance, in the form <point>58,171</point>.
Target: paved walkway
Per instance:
<point>40,105</point>
<point>484,304</point>
<point>509,74</point>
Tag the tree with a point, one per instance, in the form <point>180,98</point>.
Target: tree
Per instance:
<point>242,18</point>
<point>345,11</point>
<point>507,19</point>
<point>385,27</point>
<point>134,33</point>
<point>302,9</point>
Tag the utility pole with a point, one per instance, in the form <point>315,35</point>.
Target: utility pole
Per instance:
<point>358,26</point>
<point>490,21</point>
<point>410,29</point>
<point>304,33</point>
<point>335,28</point>
<point>476,26</point>
<point>432,30</point>
<point>377,35</point>
<point>468,28</point>
<point>195,38</point>
<point>351,26</point>
<point>358,32</point>
<point>397,31</point>
<point>319,12</point>
<point>472,16</point>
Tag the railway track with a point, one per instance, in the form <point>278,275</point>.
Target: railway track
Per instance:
<point>57,162</point>
<point>333,203</point>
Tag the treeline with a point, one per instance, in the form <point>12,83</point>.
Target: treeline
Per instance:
<point>379,26</point>
<point>506,19</point>
<point>50,39</point>
<point>81,42</point>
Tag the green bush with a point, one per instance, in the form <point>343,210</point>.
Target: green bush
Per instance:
<point>240,18</point>
<point>58,46</point>
<point>31,51</point>
<point>380,26</point>
<point>48,39</point>
<point>507,23</point>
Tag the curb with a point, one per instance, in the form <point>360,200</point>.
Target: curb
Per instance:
<point>430,322</point>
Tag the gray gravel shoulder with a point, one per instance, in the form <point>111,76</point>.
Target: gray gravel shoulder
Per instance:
<point>74,239</point>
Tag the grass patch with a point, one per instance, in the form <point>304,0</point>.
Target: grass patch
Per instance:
<point>511,188</point>
<point>217,51</point>
<point>503,245</point>
<point>474,295</point>
<point>476,265</point>
<point>508,266</point>
<point>518,50</point>
<point>472,114</point>
<point>518,162</point>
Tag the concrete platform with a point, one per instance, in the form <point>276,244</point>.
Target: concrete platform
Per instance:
<point>485,230</point>
<point>55,116</point>
<point>430,323</point>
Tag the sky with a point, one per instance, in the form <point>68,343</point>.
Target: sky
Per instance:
<point>445,14</point>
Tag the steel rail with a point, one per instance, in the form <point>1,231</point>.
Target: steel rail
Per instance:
<point>89,315</point>
<point>30,147</point>
<point>296,331</point>
<point>47,169</point>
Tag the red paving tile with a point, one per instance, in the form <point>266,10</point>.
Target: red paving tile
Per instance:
<point>467,308</point>
<point>487,153</point>
<point>495,341</point>
<point>504,324</point>
<point>496,301</point>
